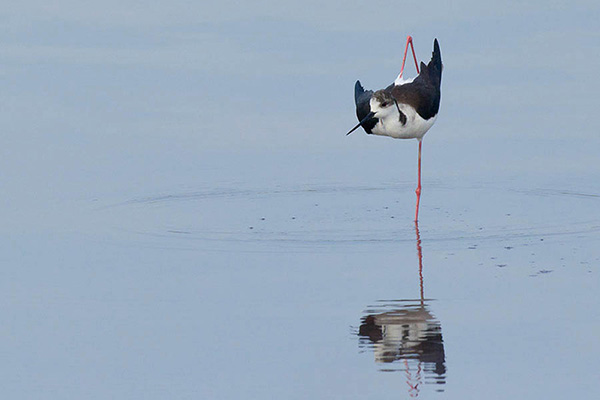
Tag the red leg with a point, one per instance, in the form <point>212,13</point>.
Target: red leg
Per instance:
<point>409,40</point>
<point>418,191</point>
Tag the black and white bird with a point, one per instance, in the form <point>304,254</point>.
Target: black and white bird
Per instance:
<point>407,108</point>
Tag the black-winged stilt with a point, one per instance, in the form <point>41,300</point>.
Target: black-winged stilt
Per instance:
<point>407,108</point>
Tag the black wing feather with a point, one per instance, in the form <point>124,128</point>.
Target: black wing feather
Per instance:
<point>362,98</point>
<point>424,92</point>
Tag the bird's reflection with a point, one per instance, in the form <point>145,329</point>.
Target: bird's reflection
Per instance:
<point>406,337</point>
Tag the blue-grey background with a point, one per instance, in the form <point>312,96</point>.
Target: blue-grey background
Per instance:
<point>183,217</point>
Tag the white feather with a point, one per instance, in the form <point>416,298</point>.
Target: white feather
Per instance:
<point>399,81</point>
<point>389,123</point>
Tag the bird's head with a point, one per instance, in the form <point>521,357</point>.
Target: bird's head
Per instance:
<point>382,104</point>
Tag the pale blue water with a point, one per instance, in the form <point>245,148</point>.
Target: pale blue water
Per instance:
<point>183,216</point>
<point>258,289</point>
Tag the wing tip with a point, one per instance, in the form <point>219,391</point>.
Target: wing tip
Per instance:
<point>358,90</point>
<point>436,49</point>
<point>436,56</point>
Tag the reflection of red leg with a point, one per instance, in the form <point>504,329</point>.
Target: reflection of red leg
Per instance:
<point>409,40</point>
<point>418,191</point>
<point>413,383</point>
<point>420,255</point>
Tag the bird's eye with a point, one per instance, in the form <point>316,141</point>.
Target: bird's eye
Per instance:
<point>384,104</point>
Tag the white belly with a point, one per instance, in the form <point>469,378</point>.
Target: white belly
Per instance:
<point>414,128</point>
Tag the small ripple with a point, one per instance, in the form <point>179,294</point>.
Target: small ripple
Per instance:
<point>289,217</point>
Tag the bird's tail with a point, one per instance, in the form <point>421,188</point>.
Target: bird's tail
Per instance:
<point>433,70</point>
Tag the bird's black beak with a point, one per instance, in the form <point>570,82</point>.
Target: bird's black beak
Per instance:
<point>362,121</point>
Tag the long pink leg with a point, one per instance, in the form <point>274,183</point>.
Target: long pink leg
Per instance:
<point>418,191</point>
<point>409,40</point>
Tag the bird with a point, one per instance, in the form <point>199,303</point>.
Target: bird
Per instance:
<point>407,108</point>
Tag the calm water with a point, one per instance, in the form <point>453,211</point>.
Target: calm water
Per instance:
<point>308,289</point>
<point>183,216</point>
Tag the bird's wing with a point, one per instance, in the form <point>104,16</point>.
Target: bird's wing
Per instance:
<point>423,93</point>
<point>362,99</point>
<point>431,74</point>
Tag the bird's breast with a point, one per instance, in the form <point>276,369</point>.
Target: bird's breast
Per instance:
<point>415,126</point>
